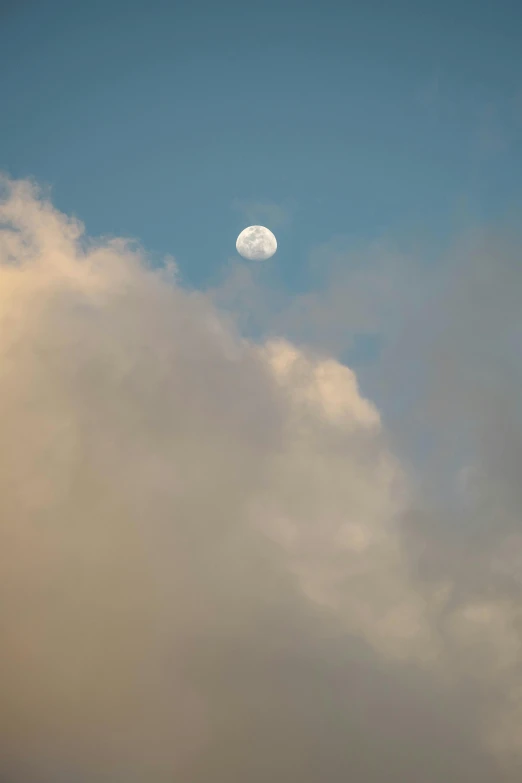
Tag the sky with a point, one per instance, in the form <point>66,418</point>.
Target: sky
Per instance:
<point>260,520</point>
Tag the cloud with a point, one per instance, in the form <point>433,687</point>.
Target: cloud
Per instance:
<point>264,212</point>
<point>354,290</point>
<point>206,565</point>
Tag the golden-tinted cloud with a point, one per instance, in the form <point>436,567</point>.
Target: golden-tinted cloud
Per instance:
<point>204,566</point>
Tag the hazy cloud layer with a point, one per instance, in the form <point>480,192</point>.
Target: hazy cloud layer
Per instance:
<point>264,212</point>
<point>212,565</point>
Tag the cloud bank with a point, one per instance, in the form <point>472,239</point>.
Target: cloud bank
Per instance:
<point>211,560</point>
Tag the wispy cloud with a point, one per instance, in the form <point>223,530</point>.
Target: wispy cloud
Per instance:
<point>265,212</point>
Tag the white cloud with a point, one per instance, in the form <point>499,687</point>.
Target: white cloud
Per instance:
<point>203,565</point>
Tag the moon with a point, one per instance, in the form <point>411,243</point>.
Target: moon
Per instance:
<point>256,243</point>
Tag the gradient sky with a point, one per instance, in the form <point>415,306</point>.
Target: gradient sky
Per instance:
<point>150,119</point>
<point>260,521</point>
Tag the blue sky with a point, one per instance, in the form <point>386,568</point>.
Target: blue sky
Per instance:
<point>370,119</point>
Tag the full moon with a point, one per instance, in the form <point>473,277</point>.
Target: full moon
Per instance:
<point>256,243</point>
